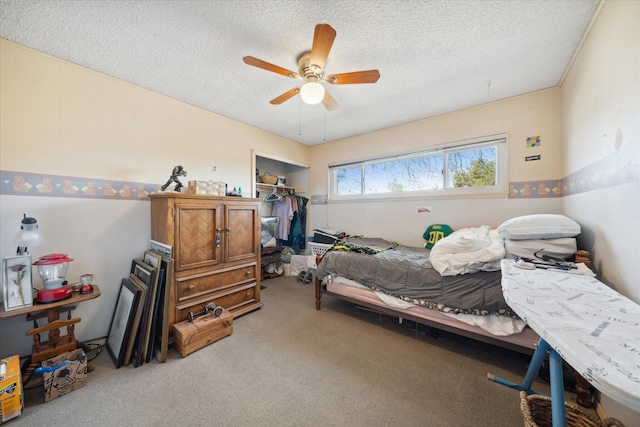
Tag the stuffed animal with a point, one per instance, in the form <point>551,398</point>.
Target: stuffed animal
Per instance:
<point>435,232</point>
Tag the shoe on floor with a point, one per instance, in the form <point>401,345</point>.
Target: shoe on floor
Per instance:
<point>308,277</point>
<point>301,276</point>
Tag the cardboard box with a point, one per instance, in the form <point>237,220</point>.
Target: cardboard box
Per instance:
<point>11,395</point>
<point>212,188</point>
<point>64,373</point>
<point>204,330</point>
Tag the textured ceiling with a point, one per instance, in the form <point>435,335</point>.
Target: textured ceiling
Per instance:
<point>434,56</point>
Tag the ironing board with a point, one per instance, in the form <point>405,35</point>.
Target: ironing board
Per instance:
<point>583,321</point>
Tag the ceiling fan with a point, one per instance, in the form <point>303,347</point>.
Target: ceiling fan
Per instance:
<point>311,70</point>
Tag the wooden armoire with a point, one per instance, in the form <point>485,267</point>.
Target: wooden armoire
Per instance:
<point>216,251</point>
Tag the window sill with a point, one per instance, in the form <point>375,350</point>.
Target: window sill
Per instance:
<point>421,197</point>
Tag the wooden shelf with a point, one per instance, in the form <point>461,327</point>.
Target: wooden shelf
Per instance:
<point>268,259</point>
<point>272,187</point>
<point>271,255</point>
<point>75,298</point>
<point>268,256</point>
<point>271,249</point>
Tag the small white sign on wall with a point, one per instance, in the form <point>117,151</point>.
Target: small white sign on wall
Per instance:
<point>423,209</point>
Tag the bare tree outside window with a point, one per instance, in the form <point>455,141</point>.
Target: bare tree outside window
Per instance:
<point>349,181</point>
<point>468,166</point>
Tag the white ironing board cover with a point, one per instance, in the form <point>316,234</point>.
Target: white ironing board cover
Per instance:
<point>591,326</point>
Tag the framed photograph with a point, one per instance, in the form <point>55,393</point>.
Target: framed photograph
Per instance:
<point>137,318</point>
<point>156,316</point>
<point>149,275</point>
<point>153,259</point>
<point>122,321</point>
<point>17,286</point>
<point>161,344</point>
<point>142,271</point>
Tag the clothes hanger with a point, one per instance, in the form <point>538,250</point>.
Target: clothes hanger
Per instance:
<point>274,197</point>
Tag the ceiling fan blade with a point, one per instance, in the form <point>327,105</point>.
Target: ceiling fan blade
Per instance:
<point>322,42</point>
<point>328,101</point>
<point>285,96</point>
<point>368,76</point>
<point>250,60</point>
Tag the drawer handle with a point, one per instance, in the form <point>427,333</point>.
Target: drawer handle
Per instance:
<point>248,273</point>
<point>191,287</point>
<point>248,293</point>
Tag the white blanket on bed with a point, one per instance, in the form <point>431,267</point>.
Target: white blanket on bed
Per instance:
<point>468,250</point>
<point>492,323</point>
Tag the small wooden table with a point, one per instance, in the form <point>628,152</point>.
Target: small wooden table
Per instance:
<point>56,344</point>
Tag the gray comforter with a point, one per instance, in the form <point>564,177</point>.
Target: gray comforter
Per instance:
<point>406,273</point>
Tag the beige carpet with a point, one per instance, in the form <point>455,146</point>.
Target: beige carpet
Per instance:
<point>290,365</point>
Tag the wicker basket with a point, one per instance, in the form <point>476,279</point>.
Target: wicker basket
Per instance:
<point>267,178</point>
<point>536,411</point>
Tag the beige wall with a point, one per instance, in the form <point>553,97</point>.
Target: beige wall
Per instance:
<point>601,112</point>
<point>61,119</point>
<point>601,136</point>
<point>96,126</point>
<point>602,89</point>
<point>537,113</point>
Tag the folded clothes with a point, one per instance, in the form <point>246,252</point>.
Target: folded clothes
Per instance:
<point>327,236</point>
<point>271,243</point>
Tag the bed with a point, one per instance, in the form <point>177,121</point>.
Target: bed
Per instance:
<point>455,287</point>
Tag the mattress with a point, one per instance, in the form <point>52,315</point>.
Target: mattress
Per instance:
<point>406,273</point>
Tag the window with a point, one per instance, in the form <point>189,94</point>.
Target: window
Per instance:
<point>463,169</point>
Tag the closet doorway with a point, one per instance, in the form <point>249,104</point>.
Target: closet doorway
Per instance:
<point>292,186</point>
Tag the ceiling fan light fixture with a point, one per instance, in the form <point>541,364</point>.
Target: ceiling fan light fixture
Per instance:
<point>312,93</point>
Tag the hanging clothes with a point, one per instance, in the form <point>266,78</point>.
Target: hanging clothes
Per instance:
<point>302,209</point>
<point>297,239</point>
<point>283,210</point>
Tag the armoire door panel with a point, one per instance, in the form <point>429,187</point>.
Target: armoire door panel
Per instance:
<point>242,233</point>
<point>196,241</point>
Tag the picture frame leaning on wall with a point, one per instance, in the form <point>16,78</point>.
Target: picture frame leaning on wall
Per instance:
<point>149,276</point>
<point>122,321</point>
<point>137,319</point>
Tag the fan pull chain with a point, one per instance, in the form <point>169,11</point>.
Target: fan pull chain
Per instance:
<point>324,125</point>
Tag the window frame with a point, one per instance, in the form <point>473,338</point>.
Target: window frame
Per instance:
<point>500,141</point>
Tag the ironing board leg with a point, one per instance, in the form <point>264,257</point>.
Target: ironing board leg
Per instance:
<point>557,389</point>
<point>532,370</point>
<point>557,382</point>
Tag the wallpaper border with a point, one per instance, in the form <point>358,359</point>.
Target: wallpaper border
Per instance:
<point>621,167</point>
<point>34,184</point>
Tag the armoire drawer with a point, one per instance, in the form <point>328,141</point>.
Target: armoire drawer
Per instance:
<point>195,285</point>
<point>238,301</point>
